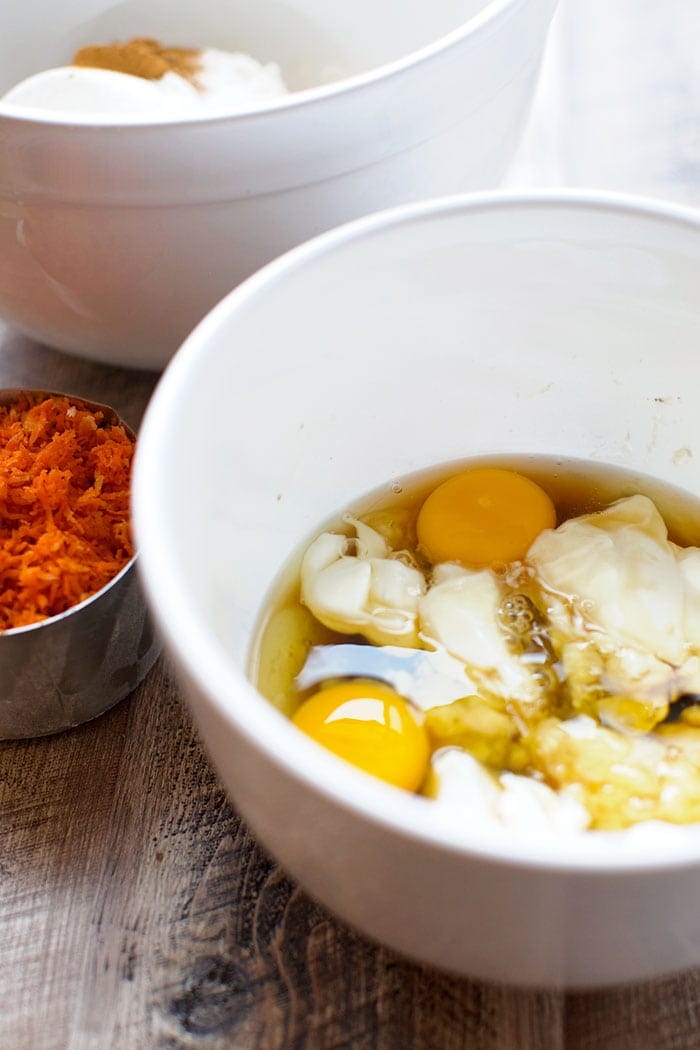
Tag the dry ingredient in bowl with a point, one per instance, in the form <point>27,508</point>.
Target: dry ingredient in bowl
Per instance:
<point>144,76</point>
<point>141,57</point>
<point>64,506</point>
<point>518,640</point>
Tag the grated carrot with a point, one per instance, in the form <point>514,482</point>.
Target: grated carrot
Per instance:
<point>64,506</point>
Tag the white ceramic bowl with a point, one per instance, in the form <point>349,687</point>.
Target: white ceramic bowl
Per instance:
<point>117,237</point>
<point>493,323</point>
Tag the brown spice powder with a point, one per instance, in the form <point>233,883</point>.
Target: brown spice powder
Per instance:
<point>141,57</point>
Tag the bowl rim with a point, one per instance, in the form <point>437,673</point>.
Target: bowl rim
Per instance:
<point>490,14</point>
<point>265,729</point>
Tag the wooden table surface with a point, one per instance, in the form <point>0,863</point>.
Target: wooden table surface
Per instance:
<point>136,911</point>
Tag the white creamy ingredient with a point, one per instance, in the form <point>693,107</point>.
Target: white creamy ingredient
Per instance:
<point>459,612</point>
<point>617,571</point>
<point>469,793</point>
<point>616,582</point>
<point>356,587</point>
<point>226,81</point>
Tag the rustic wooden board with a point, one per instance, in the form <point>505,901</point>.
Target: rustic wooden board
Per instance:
<point>136,911</point>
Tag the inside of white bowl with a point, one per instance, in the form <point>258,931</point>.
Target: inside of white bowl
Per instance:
<point>313,41</point>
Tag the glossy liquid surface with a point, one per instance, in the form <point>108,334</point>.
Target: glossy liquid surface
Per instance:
<point>288,630</point>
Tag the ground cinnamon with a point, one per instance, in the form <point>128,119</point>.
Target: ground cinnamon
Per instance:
<point>141,57</point>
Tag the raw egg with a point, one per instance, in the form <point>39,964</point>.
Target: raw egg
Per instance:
<point>371,726</point>
<point>485,516</point>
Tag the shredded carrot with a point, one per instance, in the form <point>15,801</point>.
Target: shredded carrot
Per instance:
<point>64,506</point>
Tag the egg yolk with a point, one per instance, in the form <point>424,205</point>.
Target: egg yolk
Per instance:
<point>483,517</point>
<point>370,725</point>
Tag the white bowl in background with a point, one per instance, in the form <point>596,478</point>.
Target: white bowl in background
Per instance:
<point>555,324</point>
<point>117,236</point>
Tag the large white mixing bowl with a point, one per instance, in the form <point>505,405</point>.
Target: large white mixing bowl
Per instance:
<point>558,325</point>
<point>116,236</point>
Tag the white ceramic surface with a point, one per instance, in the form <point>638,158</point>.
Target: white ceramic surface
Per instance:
<point>117,237</point>
<point>486,324</point>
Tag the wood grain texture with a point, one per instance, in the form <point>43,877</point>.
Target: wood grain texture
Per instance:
<point>136,911</point>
